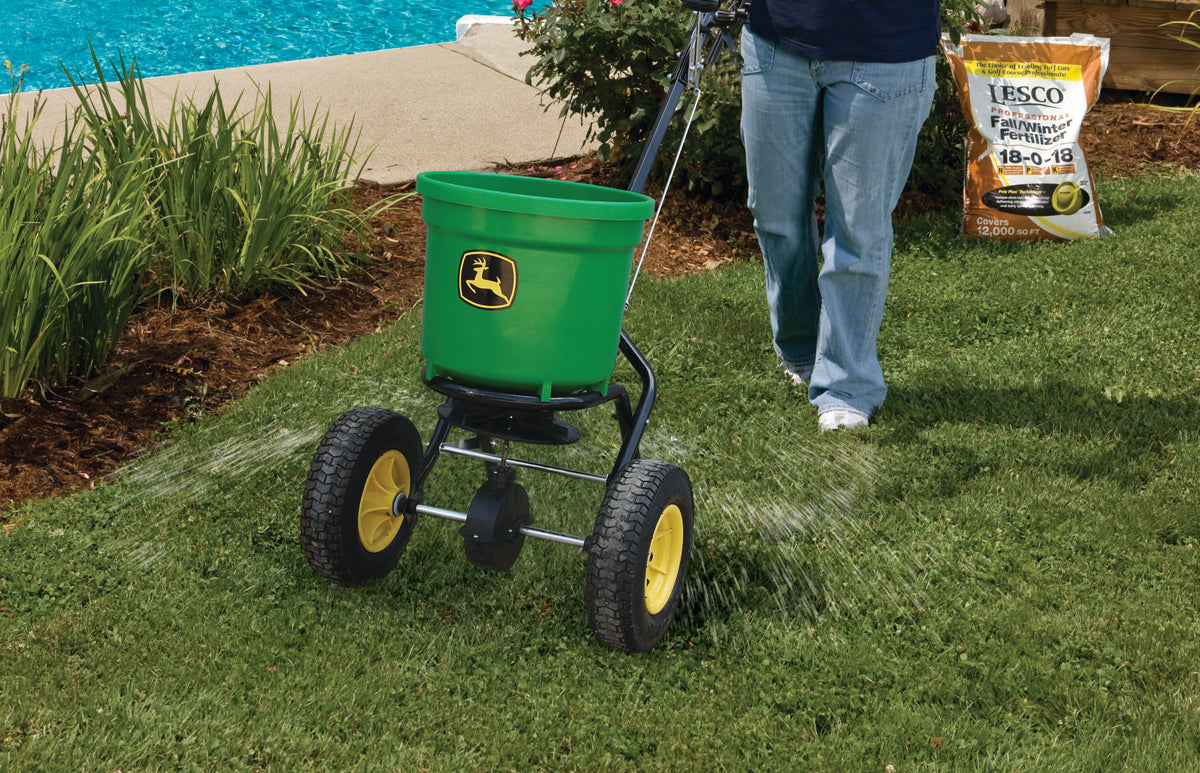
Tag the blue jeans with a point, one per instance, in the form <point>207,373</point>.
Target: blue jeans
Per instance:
<point>848,129</point>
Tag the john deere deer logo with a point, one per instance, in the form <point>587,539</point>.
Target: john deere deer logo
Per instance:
<point>487,280</point>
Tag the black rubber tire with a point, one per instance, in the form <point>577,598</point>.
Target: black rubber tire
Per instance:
<point>619,553</point>
<point>336,484</point>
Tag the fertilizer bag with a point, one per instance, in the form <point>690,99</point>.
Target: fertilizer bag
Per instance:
<point>1024,100</point>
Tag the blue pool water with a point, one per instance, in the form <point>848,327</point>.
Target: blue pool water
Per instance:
<point>193,35</point>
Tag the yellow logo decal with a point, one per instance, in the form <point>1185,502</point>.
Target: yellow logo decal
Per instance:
<point>487,280</point>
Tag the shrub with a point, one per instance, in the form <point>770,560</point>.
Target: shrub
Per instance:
<point>612,63</point>
<point>939,164</point>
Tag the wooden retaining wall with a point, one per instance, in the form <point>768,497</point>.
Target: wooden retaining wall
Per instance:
<point>1143,57</point>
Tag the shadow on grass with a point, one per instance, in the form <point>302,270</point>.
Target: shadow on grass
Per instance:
<point>1140,204</point>
<point>1104,433</point>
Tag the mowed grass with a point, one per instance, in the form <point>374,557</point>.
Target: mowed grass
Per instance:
<point>1000,574</point>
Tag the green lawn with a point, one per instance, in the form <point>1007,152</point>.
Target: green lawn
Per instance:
<point>1001,574</point>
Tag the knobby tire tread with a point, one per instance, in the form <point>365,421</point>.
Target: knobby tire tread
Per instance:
<point>332,492</point>
<point>628,515</point>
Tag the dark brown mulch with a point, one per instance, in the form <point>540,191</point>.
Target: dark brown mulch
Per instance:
<point>176,365</point>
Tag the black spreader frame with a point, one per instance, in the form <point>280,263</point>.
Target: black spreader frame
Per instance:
<point>527,418</point>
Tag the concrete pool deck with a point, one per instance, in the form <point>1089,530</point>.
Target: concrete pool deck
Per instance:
<point>456,106</point>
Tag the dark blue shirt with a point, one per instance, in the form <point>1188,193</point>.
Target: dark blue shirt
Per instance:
<point>851,30</point>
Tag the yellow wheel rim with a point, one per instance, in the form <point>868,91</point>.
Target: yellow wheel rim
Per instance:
<point>666,554</point>
<point>377,526</point>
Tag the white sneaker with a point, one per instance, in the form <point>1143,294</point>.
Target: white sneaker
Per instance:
<point>796,378</point>
<point>842,419</point>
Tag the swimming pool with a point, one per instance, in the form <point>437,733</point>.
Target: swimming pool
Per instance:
<point>194,35</point>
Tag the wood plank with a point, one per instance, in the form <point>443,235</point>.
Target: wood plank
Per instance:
<point>1163,4</point>
<point>1026,16</point>
<point>1182,6</point>
<point>1126,26</point>
<point>1143,55</point>
<point>1185,5</point>
<point>1139,70</point>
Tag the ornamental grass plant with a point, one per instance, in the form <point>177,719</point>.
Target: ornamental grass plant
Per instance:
<point>72,254</point>
<point>213,200</point>
<point>1188,34</point>
<point>240,205</point>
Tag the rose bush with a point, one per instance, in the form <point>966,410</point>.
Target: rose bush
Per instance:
<point>610,62</point>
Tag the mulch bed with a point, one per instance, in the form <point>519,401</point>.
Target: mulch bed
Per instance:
<point>178,365</point>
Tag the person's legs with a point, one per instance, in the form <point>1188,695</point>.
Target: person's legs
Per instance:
<point>780,129</point>
<point>872,114</point>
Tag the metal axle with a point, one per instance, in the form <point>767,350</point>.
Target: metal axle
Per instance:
<point>528,531</point>
<point>502,460</point>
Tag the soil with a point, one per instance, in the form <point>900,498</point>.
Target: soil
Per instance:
<point>179,365</point>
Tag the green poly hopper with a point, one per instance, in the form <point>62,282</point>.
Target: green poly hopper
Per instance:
<point>525,280</point>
